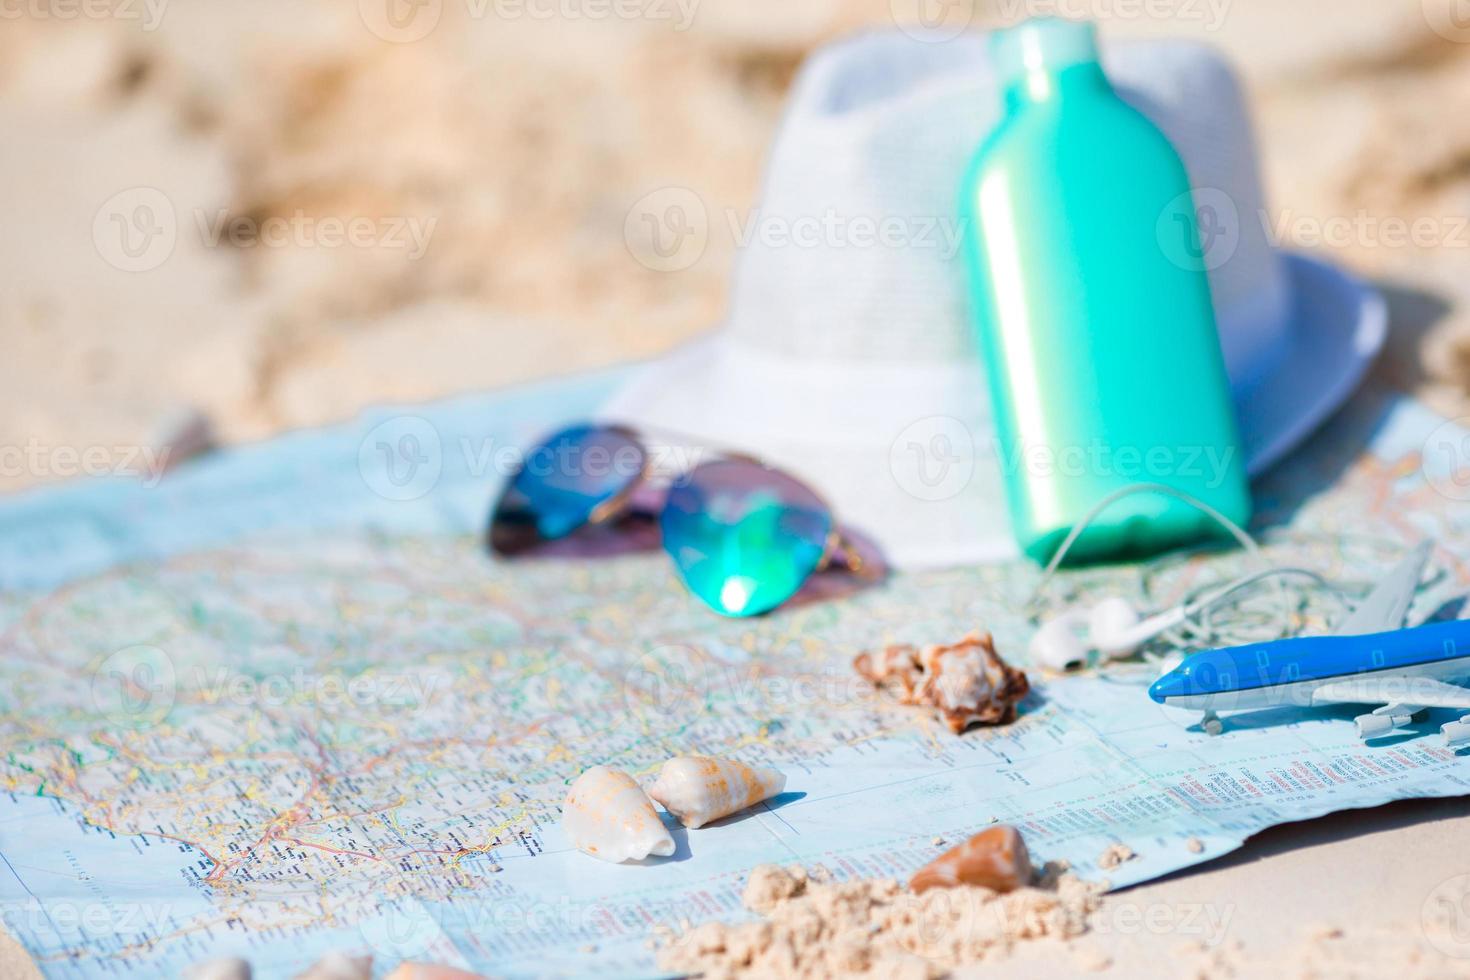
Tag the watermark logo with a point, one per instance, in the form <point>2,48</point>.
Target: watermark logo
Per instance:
<point>933,459</point>
<point>407,234</point>
<point>147,13</point>
<point>681,679</point>
<point>407,21</point>
<point>1210,14</point>
<point>135,230</point>
<point>1445,917</point>
<point>401,459</point>
<point>1199,230</point>
<point>1206,922</point>
<point>932,20</point>
<point>1445,459</point>
<point>400,21</point>
<point>662,681</point>
<point>404,931</point>
<point>326,692</point>
<point>1450,19</point>
<point>44,461</point>
<point>832,230</point>
<point>135,687</point>
<point>1362,229</point>
<point>1158,463</point>
<point>679,13</point>
<point>667,230</point>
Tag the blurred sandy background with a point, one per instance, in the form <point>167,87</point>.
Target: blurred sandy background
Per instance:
<point>276,212</point>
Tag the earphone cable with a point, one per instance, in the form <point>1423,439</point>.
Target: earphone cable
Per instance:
<point>1201,616</point>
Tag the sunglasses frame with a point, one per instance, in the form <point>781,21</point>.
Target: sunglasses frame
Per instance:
<point>838,550</point>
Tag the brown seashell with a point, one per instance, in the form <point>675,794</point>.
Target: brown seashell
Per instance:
<point>967,681</point>
<point>899,662</point>
<point>995,858</point>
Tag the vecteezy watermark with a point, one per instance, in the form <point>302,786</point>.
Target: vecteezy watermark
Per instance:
<point>669,230</point>
<point>138,229</point>
<point>135,230</point>
<point>1362,229</point>
<point>147,13</point>
<point>401,459</point>
<point>324,691</point>
<point>42,461</point>
<point>831,229</point>
<point>138,686</point>
<point>1207,922</point>
<point>1210,14</point>
<point>404,457</point>
<point>1445,459</point>
<point>684,679</point>
<point>1153,463</point>
<point>932,20</point>
<point>408,234</point>
<point>933,459</point>
<point>678,14</point>
<point>406,21</point>
<point>1450,19</point>
<point>409,928</point>
<point>1445,917</point>
<point>79,924</point>
<point>1199,230</point>
<point>401,21</point>
<point>134,687</point>
<point>403,930</point>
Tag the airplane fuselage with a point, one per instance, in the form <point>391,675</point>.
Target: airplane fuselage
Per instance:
<point>1288,672</point>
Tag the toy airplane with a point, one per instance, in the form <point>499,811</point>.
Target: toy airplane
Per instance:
<point>1407,671</point>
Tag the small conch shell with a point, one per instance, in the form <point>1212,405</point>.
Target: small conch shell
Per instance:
<point>967,681</point>
<point>699,788</point>
<point>608,816</point>
<point>995,858</point>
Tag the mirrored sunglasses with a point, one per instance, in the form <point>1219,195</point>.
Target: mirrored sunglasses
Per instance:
<point>744,536</point>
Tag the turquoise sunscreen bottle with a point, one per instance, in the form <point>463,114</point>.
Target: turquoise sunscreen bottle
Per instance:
<point>1100,346</point>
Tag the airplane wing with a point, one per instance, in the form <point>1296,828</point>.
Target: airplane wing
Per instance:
<point>1403,695</point>
<point>1387,606</point>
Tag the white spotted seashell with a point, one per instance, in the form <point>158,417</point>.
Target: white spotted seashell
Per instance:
<point>699,788</point>
<point>608,816</point>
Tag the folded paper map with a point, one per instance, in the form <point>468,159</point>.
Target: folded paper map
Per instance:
<point>282,703</point>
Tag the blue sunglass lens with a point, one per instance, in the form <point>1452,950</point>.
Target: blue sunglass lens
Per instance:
<point>562,482</point>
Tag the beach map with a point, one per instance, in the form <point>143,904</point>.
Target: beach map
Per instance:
<point>282,703</point>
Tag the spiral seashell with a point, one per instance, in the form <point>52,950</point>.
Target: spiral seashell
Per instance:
<point>995,858</point>
<point>699,788</point>
<point>967,681</point>
<point>608,816</point>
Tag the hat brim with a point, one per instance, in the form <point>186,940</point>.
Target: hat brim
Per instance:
<point>1338,325</point>
<point>888,444</point>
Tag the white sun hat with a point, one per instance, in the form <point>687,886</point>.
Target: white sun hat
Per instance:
<point>847,357</point>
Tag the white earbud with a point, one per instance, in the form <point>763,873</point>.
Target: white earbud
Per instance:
<point>1057,644</point>
<point>1113,628</point>
<point>1110,627</point>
